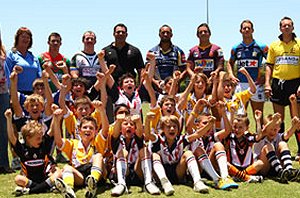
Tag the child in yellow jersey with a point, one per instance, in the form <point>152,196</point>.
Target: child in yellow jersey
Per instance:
<point>132,158</point>
<point>87,165</point>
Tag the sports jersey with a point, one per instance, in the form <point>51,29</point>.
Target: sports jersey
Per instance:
<point>285,59</point>
<point>170,154</point>
<point>168,61</point>
<point>259,145</point>
<point>76,152</point>
<point>34,161</point>
<point>58,72</point>
<point>101,144</point>
<point>87,65</point>
<point>133,147</point>
<point>209,58</point>
<point>250,57</point>
<point>239,151</point>
<point>72,123</point>
<point>239,100</point>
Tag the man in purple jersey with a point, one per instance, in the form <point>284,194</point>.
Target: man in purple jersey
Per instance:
<point>205,57</point>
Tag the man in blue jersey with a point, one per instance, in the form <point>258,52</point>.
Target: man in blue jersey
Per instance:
<point>249,54</point>
<point>168,57</point>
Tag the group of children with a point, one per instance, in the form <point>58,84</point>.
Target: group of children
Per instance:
<point>203,131</point>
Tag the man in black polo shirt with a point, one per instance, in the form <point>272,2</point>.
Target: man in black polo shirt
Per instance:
<point>126,57</point>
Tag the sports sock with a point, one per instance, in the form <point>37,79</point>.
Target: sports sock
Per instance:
<point>250,170</point>
<point>40,188</point>
<point>222,162</point>
<point>285,157</point>
<point>234,172</point>
<point>147,170</point>
<point>274,161</point>
<point>193,168</point>
<point>159,169</point>
<point>96,172</point>
<point>68,178</point>
<point>206,165</point>
<point>121,166</point>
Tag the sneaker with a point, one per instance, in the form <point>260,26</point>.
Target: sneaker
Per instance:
<point>119,190</point>
<point>294,175</point>
<point>297,158</point>
<point>167,186</point>
<point>19,191</point>
<point>283,176</point>
<point>65,190</point>
<point>152,189</point>
<point>199,186</point>
<point>16,163</point>
<point>226,184</point>
<point>91,184</point>
<point>255,179</point>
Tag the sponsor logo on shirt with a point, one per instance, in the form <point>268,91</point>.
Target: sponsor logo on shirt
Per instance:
<point>207,64</point>
<point>247,63</point>
<point>34,163</point>
<point>287,60</point>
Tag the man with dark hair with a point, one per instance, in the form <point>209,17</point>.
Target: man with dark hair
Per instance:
<point>249,54</point>
<point>59,64</point>
<point>168,57</point>
<point>125,56</point>
<point>283,70</point>
<point>85,63</point>
<point>205,57</point>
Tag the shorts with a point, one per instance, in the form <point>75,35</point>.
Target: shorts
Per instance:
<point>171,173</point>
<point>259,95</point>
<point>132,179</point>
<point>282,89</point>
<point>85,169</point>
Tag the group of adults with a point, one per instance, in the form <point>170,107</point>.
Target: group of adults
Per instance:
<point>277,81</point>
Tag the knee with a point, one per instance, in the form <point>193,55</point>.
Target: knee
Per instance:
<point>144,153</point>
<point>218,146</point>
<point>97,157</point>
<point>187,154</point>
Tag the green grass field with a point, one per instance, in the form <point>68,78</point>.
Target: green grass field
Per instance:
<point>268,188</point>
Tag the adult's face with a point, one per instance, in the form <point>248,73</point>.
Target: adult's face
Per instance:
<point>120,34</point>
<point>246,30</point>
<point>286,27</point>
<point>203,33</point>
<point>54,43</point>
<point>24,40</point>
<point>89,39</point>
<point>165,34</point>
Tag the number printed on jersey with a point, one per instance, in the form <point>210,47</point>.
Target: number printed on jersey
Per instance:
<point>287,60</point>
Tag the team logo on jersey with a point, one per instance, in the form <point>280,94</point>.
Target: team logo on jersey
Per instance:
<point>129,52</point>
<point>254,54</point>
<point>239,54</point>
<point>287,60</point>
<point>220,53</point>
<point>207,64</point>
<point>34,156</point>
<point>195,55</point>
<point>247,63</point>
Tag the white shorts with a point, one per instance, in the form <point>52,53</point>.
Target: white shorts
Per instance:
<point>259,95</point>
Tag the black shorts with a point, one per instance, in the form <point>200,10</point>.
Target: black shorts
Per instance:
<point>132,179</point>
<point>171,173</point>
<point>85,170</point>
<point>282,90</point>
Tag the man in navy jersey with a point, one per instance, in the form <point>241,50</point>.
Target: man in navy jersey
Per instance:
<point>249,54</point>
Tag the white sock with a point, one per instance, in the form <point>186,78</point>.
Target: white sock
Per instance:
<point>222,162</point>
<point>193,168</point>
<point>121,166</point>
<point>206,165</point>
<point>159,169</point>
<point>147,170</point>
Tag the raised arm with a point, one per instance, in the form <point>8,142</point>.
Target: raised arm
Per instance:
<point>110,80</point>
<point>10,130</point>
<point>117,126</point>
<point>183,97</point>
<point>230,65</point>
<point>203,130</point>
<point>228,127</point>
<point>57,127</point>
<point>175,82</point>
<point>249,78</point>
<point>48,94</point>
<point>198,108</point>
<point>259,133</point>
<point>47,65</point>
<point>148,85</point>
<point>139,125</point>
<point>98,105</point>
<point>294,105</point>
<point>18,111</point>
<point>147,130</point>
<point>295,125</point>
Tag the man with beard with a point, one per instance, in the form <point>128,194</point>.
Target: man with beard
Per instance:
<point>168,57</point>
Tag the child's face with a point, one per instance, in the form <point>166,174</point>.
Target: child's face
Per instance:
<point>170,130</point>
<point>78,89</point>
<point>34,109</point>
<point>200,86</point>
<point>35,140</point>
<point>203,120</point>
<point>168,108</point>
<point>228,89</point>
<point>128,85</point>
<point>83,110</point>
<point>123,110</point>
<point>239,128</point>
<point>273,131</point>
<point>128,128</point>
<point>168,85</point>
<point>39,89</point>
<point>87,131</point>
